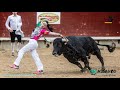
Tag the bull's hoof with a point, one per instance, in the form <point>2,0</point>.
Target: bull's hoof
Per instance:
<point>93,71</point>
<point>83,70</point>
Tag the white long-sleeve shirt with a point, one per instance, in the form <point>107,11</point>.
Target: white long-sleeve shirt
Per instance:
<point>13,22</point>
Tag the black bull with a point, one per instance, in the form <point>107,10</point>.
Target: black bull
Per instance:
<point>79,48</point>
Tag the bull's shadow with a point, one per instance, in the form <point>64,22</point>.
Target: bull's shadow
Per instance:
<point>76,48</point>
<point>65,72</point>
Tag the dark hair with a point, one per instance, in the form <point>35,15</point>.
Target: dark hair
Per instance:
<point>49,26</point>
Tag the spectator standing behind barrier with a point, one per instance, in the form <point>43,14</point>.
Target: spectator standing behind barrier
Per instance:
<point>14,24</point>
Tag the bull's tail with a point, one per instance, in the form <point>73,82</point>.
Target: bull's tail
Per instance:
<point>110,48</point>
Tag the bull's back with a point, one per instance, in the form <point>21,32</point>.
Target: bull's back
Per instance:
<point>80,40</point>
<point>85,42</point>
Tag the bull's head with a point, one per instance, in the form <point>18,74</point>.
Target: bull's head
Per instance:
<point>58,46</point>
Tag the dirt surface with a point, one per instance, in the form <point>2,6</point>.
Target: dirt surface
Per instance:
<point>58,67</point>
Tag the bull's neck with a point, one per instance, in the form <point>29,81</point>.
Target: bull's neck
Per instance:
<point>64,48</point>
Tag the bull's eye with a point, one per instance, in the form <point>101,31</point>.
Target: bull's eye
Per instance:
<point>59,45</point>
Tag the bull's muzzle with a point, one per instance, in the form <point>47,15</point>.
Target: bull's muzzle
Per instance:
<point>55,54</point>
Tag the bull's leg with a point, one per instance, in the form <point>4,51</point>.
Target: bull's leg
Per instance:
<point>98,54</point>
<point>79,65</point>
<point>89,56</point>
<point>86,63</point>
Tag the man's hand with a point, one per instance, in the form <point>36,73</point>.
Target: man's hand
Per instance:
<point>10,30</point>
<point>61,35</point>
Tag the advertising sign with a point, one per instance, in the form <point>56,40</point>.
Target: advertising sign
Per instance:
<point>52,17</point>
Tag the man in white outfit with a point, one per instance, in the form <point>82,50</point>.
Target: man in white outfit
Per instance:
<point>13,24</point>
<point>42,28</point>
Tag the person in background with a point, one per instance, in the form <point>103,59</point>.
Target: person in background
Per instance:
<point>14,24</point>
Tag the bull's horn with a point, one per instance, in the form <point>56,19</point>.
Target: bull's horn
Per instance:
<point>65,39</point>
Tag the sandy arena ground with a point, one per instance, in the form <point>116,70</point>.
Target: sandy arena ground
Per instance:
<point>57,67</point>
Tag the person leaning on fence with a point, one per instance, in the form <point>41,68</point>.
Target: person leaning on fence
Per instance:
<point>41,29</point>
<point>14,24</point>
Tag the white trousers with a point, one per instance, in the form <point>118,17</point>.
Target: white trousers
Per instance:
<point>31,46</point>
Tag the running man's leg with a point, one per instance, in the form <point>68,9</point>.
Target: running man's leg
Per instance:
<point>27,47</point>
<point>37,60</point>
